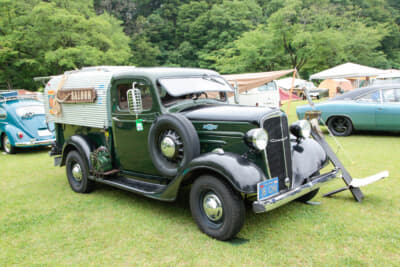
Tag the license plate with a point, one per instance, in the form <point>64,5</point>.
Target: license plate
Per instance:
<point>267,188</point>
<point>44,133</point>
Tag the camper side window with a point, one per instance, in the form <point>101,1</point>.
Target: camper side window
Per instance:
<point>145,90</point>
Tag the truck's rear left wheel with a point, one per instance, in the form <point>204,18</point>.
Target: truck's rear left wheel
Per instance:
<point>77,173</point>
<point>217,209</point>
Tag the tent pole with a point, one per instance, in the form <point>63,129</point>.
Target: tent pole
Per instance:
<point>291,91</point>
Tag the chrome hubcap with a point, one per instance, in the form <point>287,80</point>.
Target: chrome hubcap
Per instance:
<point>77,172</point>
<point>212,207</point>
<point>168,148</point>
<point>7,145</point>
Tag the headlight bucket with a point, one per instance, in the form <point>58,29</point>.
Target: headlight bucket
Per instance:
<point>257,138</point>
<point>301,129</point>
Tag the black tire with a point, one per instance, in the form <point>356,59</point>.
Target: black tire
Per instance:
<point>78,173</point>
<point>181,132</point>
<point>222,223</point>
<point>308,196</point>
<point>7,146</point>
<point>340,126</point>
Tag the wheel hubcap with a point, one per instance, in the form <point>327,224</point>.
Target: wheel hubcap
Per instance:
<point>212,207</point>
<point>7,145</point>
<point>77,172</point>
<point>168,148</point>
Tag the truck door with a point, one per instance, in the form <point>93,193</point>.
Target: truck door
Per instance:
<point>130,142</point>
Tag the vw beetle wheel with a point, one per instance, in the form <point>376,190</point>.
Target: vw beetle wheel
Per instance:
<point>217,209</point>
<point>7,146</point>
<point>77,173</point>
<point>340,126</point>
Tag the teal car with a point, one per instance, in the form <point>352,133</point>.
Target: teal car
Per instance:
<point>372,108</point>
<point>22,122</point>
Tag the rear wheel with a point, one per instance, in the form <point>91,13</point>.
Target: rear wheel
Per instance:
<point>217,209</point>
<point>77,173</point>
<point>340,126</point>
<point>7,146</point>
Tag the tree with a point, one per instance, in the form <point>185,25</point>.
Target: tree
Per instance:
<point>42,38</point>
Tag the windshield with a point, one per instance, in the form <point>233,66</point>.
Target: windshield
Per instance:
<point>30,111</point>
<point>206,87</point>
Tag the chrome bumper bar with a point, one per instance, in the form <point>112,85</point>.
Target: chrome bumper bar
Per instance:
<point>279,200</point>
<point>35,143</point>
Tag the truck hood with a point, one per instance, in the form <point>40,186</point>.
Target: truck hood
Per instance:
<point>227,113</point>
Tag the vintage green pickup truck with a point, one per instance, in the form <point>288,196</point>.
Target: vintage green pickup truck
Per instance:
<point>153,131</point>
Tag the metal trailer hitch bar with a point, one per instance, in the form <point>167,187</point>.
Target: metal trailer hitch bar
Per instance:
<point>352,184</point>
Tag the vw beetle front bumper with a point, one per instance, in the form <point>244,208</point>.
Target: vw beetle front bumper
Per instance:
<point>281,199</point>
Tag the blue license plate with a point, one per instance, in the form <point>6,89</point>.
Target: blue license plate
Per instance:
<point>267,188</point>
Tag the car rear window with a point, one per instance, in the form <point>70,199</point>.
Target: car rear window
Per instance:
<point>30,110</point>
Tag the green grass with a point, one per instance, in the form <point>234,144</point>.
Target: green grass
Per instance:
<point>43,222</point>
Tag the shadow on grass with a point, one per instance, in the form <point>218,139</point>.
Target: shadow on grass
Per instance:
<point>31,150</point>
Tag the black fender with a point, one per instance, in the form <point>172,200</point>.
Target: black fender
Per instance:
<point>81,144</point>
<point>308,157</point>
<point>241,173</point>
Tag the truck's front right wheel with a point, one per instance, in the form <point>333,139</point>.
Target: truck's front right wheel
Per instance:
<point>217,209</point>
<point>77,173</point>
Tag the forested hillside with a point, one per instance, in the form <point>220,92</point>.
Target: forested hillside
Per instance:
<point>39,38</point>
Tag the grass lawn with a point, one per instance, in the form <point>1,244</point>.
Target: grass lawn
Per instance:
<point>43,222</point>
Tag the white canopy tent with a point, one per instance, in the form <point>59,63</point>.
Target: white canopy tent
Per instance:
<point>347,70</point>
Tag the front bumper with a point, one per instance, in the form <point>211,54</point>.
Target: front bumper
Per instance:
<point>279,200</point>
<point>34,142</point>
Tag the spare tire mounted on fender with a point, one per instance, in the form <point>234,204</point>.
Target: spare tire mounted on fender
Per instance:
<point>173,142</point>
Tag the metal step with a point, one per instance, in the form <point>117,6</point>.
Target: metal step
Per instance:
<point>135,186</point>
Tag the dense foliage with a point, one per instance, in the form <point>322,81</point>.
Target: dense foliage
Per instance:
<point>40,38</point>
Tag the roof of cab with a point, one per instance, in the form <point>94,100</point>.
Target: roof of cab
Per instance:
<point>150,72</point>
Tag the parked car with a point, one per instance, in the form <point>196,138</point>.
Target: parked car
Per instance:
<point>152,131</point>
<point>22,122</point>
<point>369,108</point>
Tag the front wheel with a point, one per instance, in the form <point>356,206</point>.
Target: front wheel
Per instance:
<point>217,209</point>
<point>308,196</point>
<point>340,126</point>
<point>77,173</point>
<point>7,146</point>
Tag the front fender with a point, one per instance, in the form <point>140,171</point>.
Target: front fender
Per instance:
<point>242,174</point>
<point>308,157</point>
<point>79,143</point>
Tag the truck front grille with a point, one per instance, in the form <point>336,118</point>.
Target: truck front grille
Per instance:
<point>278,152</point>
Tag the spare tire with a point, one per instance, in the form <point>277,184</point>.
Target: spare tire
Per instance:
<point>173,142</point>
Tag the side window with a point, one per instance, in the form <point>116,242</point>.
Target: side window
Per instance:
<point>3,114</point>
<point>371,97</point>
<point>391,95</point>
<point>122,89</point>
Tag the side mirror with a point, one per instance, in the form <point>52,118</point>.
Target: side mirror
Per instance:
<point>134,97</point>
<point>236,97</point>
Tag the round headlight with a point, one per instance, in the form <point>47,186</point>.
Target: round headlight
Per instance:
<point>257,138</point>
<point>301,129</point>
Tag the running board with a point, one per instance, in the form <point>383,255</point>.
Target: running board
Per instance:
<point>357,183</point>
<point>135,186</point>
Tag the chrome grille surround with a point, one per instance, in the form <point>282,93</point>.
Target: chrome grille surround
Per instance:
<point>277,155</point>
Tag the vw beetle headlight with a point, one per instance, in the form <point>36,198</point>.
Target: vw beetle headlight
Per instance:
<point>257,138</point>
<point>301,129</point>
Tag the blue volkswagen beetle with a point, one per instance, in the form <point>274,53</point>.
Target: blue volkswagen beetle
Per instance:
<point>371,108</point>
<point>22,122</point>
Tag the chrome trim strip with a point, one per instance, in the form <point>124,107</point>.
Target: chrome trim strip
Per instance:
<point>284,154</point>
<point>33,143</point>
<point>277,201</point>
